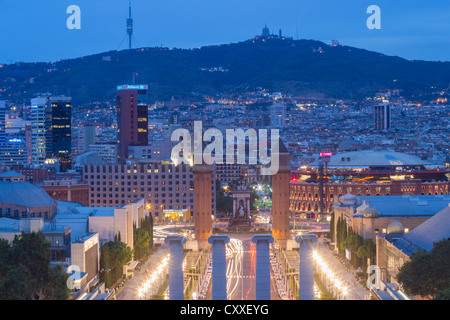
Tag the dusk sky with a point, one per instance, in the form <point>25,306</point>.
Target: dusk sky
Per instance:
<point>33,30</point>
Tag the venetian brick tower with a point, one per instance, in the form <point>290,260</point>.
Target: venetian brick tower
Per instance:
<point>280,198</point>
<point>202,203</point>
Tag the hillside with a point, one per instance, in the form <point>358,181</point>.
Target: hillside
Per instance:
<point>292,66</point>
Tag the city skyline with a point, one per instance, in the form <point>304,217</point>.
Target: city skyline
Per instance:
<point>412,31</point>
<point>128,176</point>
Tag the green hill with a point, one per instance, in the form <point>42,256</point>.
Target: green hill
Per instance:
<point>280,64</point>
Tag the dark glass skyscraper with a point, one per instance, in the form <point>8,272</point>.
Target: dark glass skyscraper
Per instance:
<point>58,133</point>
<point>132,118</point>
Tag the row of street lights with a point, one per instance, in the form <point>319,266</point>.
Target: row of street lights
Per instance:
<point>336,286</point>
<point>155,279</point>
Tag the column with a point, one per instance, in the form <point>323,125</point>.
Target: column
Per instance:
<point>281,197</point>
<point>306,274</point>
<point>262,282</point>
<point>176,283</point>
<point>219,266</point>
<point>202,203</point>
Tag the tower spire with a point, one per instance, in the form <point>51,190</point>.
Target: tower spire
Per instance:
<point>129,26</point>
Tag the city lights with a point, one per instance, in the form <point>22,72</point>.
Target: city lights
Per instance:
<point>155,277</point>
<point>337,286</point>
<point>234,254</point>
<point>266,167</point>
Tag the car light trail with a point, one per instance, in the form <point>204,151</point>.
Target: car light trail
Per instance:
<point>252,267</point>
<point>235,254</point>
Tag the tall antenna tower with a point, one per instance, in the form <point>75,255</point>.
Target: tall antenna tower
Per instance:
<point>129,27</point>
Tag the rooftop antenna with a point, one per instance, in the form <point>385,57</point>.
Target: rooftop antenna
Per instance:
<point>135,74</point>
<point>129,26</point>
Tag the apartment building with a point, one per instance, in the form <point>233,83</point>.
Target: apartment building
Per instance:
<point>162,185</point>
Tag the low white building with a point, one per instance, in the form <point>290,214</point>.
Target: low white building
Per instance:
<point>108,222</point>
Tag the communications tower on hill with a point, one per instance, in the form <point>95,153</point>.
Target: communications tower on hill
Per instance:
<point>129,27</point>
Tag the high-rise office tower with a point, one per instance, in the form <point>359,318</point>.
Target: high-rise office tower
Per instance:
<point>277,116</point>
<point>132,118</point>
<point>58,126</point>
<point>29,142</point>
<point>2,123</point>
<point>38,154</point>
<point>174,117</point>
<point>382,117</point>
<point>86,137</point>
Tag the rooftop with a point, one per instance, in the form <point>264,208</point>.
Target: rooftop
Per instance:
<point>426,234</point>
<point>25,194</point>
<point>365,159</point>
<point>404,206</point>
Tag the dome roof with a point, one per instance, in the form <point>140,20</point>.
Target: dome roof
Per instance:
<point>348,199</point>
<point>23,193</point>
<point>370,212</point>
<point>395,227</point>
<point>362,207</point>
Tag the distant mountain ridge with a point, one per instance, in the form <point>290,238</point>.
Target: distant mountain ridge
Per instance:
<point>304,68</point>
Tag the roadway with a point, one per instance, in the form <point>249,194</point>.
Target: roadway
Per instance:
<point>241,272</point>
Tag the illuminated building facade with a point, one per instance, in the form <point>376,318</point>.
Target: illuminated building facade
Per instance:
<point>59,131</point>
<point>2,123</point>
<point>161,184</point>
<point>68,190</point>
<point>132,118</point>
<point>51,131</point>
<point>382,114</point>
<point>38,106</point>
<point>365,173</point>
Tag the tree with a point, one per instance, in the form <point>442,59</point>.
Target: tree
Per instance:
<point>105,266</point>
<point>56,288</point>
<point>26,273</point>
<point>141,242</point>
<point>120,254</point>
<point>16,284</point>
<point>253,198</point>
<point>32,250</point>
<point>341,235</point>
<point>362,251</point>
<point>331,233</point>
<point>5,257</point>
<point>443,295</point>
<point>224,203</point>
<point>427,273</point>
<point>147,225</point>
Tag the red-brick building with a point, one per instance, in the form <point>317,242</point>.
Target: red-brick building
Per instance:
<point>365,173</point>
<point>68,190</point>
